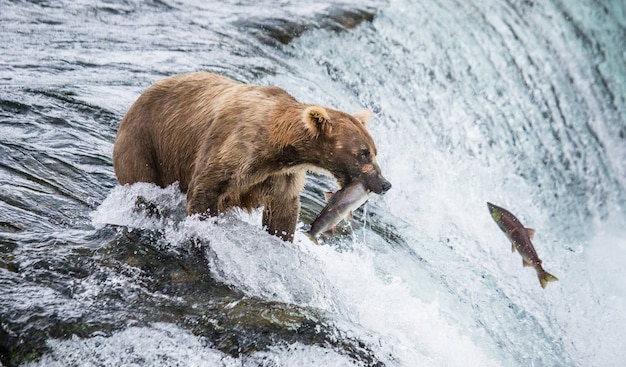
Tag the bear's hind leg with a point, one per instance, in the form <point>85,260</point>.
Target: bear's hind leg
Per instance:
<point>132,163</point>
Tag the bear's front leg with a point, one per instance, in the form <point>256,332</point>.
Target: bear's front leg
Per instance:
<point>280,217</point>
<point>203,202</point>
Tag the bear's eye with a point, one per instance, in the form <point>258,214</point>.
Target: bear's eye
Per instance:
<point>364,155</point>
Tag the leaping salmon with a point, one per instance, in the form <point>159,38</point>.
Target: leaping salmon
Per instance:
<point>520,238</point>
<point>339,206</point>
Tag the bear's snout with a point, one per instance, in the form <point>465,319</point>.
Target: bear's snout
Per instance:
<point>379,185</point>
<point>386,186</point>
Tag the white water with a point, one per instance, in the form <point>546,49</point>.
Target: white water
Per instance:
<point>168,345</point>
<point>360,287</point>
<point>463,118</point>
<point>495,102</point>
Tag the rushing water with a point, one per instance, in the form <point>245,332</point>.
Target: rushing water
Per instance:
<point>520,103</point>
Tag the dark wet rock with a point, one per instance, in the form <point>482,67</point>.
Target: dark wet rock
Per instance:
<point>234,323</point>
<point>246,326</point>
<point>9,227</point>
<point>284,30</point>
<point>143,205</point>
<point>172,287</point>
<point>7,259</point>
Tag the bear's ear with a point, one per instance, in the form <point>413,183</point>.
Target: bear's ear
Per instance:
<point>364,116</point>
<point>317,121</point>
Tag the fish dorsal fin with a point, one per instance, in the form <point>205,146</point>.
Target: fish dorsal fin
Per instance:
<point>531,233</point>
<point>328,195</point>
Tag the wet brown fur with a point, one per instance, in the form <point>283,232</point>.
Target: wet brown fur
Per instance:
<point>230,144</point>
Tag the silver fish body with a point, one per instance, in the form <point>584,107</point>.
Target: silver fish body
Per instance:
<point>339,206</point>
<point>520,238</point>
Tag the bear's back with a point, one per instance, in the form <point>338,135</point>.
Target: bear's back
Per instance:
<point>164,131</point>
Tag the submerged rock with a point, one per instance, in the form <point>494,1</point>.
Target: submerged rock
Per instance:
<point>133,280</point>
<point>283,30</point>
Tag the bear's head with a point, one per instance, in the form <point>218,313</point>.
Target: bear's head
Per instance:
<point>344,147</point>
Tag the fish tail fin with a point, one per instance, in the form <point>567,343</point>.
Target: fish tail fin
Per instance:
<point>545,277</point>
<point>312,238</point>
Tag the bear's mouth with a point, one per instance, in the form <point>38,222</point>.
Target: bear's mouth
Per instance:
<point>344,179</point>
<point>373,181</point>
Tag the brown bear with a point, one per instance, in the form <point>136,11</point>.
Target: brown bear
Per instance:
<point>230,144</point>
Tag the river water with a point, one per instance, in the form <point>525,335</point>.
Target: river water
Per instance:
<point>519,103</point>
